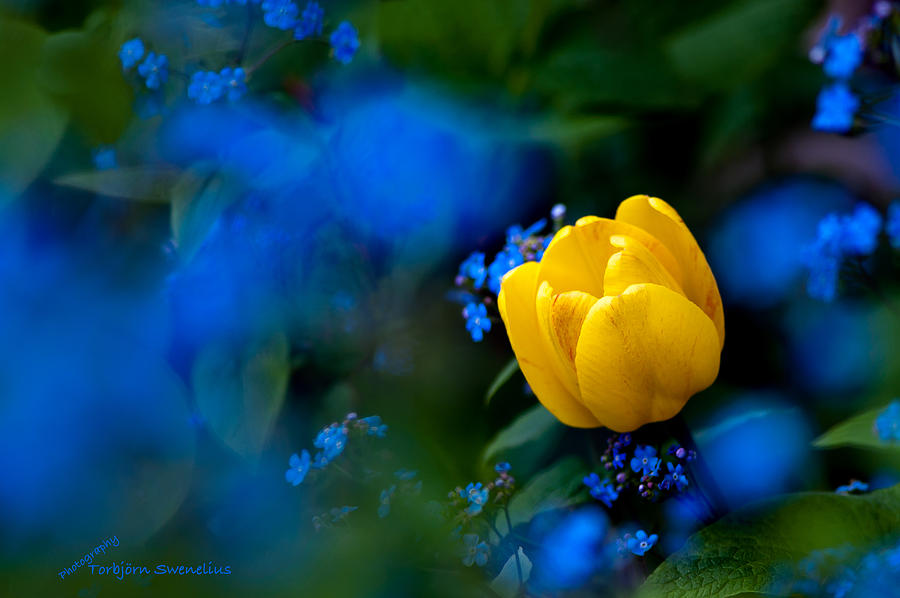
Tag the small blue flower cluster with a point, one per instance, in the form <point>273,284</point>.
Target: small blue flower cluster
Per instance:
<point>207,87</point>
<point>310,22</point>
<point>645,464</point>
<point>839,237</point>
<point>466,504</point>
<point>482,280</point>
<point>887,424</point>
<point>638,544</point>
<point>602,490</point>
<point>154,70</point>
<point>332,441</point>
<point>476,496</point>
<point>344,42</point>
<point>853,486</point>
<point>840,55</point>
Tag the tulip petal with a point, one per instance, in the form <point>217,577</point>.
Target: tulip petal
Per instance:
<point>662,221</point>
<point>642,354</point>
<point>577,257</point>
<point>560,316</point>
<point>634,264</point>
<point>518,311</point>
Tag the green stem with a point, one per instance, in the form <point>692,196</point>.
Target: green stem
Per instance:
<point>509,528</point>
<point>267,56</point>
<point>245,43</point>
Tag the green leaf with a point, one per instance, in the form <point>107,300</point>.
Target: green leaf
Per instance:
<point>859,431</point>
<point>240,391</point>
<point>198,199</point>
<point>536,423</point>
<point>506,584</point>
<point>556,487</point>
<point>739,42</point>
<point>81,70</point>
<point>502,378</point>
<point>750,549</point>
<point>31,121</point>
<point>139,183</point>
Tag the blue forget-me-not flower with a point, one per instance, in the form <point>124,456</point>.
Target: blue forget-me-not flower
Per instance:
<point>131,53</point>
<point>345,42</point>
<point>310,21</point>
<point>205,87</point>
<point>154,70</point>
<point>477,320</point>
<point>332,440</point>
<point>505,261</point>
<point>299,468</point>
<point>474,269</point>
<point>280,14</point>
<point>475,552</point>
<point>837,237</point>
<point>835,108</point>
<point>675,477</point>
<point>234,83</point>
<point>641,542</point>
<point>476,496</point>
<point>645,460</point>
<point>843,54</point>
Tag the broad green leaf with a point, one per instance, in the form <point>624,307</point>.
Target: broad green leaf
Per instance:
<point>859,431</point>
<point>536,423</point>
<point>31,121</point>
<point>739,42</point>
<point>502,378</point>
<point>139,183</point>
<point>507,582</point>
<point>240,391</point>
<point>750,549</point>
<point>559,486</point>
<point>81,70</point>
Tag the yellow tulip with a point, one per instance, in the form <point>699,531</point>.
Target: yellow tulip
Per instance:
<point>621,321</point>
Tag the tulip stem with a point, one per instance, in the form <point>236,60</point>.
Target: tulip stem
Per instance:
<point>706,483</point>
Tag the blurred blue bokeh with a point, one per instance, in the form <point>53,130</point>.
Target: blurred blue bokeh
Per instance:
<point>94,426</point>
<point>757,445</point>
<point>574,548</point>
<point>756,248</point>
<point>836,348</point>
<point>382,175</point>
